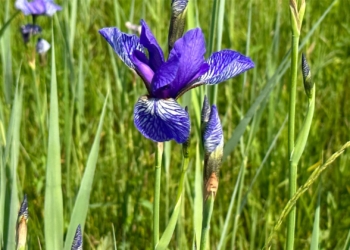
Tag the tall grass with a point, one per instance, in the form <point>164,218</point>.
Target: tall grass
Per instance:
<point>254,175</point>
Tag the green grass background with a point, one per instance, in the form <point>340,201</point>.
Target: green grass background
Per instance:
<point>122,189</point>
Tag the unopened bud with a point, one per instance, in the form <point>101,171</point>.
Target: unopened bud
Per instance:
<point>213,143</point>
<point>308,84</point>
<point>21,230</point>
<point>78,241</point>
<point>177,22</point>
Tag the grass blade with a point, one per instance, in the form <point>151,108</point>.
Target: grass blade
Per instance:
<point>82,202</point>
<point>316,228</point>
<point>198,200</point>
<point>53,213</point>
<point>168,233</point>
<point>11,199</point>
<point>4,27</point>
<point>7,57</point>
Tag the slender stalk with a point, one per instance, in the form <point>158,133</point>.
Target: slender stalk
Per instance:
<point>239,200</point>
<point>157,172</point>
<point>291,137</point>
<point>207,212</point>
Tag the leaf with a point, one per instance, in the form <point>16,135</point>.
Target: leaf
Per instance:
<point>316,227</point>
<point>53,210</point>
<point>82,202</point>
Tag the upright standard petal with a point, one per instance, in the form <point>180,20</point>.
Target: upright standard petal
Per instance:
<point>225,64</point>
<point>161,119</point>
<point>142,68</point>
<point>147,39</point>
<point>123,44</point>
<point>163,78</point>
<point>190,49</point>
<point>213,135</point>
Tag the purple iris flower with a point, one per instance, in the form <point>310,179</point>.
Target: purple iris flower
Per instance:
<point>37,7</point>
<point>157,115</point>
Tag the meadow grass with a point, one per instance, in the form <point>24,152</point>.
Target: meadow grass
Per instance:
<point>97,133</point>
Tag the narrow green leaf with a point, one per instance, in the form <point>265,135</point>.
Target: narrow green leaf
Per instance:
<point>80,87</point>
<point>73,23</point>
<point>8,22</point>
<point>6,146</point>
<point>2,192</point>
<point>224,234</point>
<point>316,227</point>
<point>12,197</point>
<point>347,242</point>
<point>6,56</point>
<point>53,214</point>
<point>168,233</point>
<point>207,212</point>
<point>198,199</point>
<point>305,129</point>
<point>82,202</point>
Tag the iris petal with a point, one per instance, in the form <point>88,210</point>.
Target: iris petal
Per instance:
<point>225,64</point>
<point>37,7</point>
<point>213,135</point>
<point>51,8</point>
<point>147,39</point>
<point>190,49</point>
<point>123,44</point>
<point>142,68</point>
<point>161,119</point>
<point>164,77</point>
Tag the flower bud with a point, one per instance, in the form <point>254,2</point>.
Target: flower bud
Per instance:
<point>213,143</point>
<point>78,241</point>
<point>177,22</point>
<point>21,230</point>
<point>308,84</point>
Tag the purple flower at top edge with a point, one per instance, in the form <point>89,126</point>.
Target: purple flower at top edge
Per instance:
<point>157,115</point>
<point>37,7</point>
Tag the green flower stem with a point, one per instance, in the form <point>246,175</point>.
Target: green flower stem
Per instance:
<point>207,212</point>
<point>296,25</point>
<point>185,163</point>
<point>157,172</point>
<point>291,135</point>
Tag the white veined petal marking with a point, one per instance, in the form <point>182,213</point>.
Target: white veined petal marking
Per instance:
<point>225,64</point>
<point>213,135</point>
<point>125,45</point>
<point>161,119</point>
